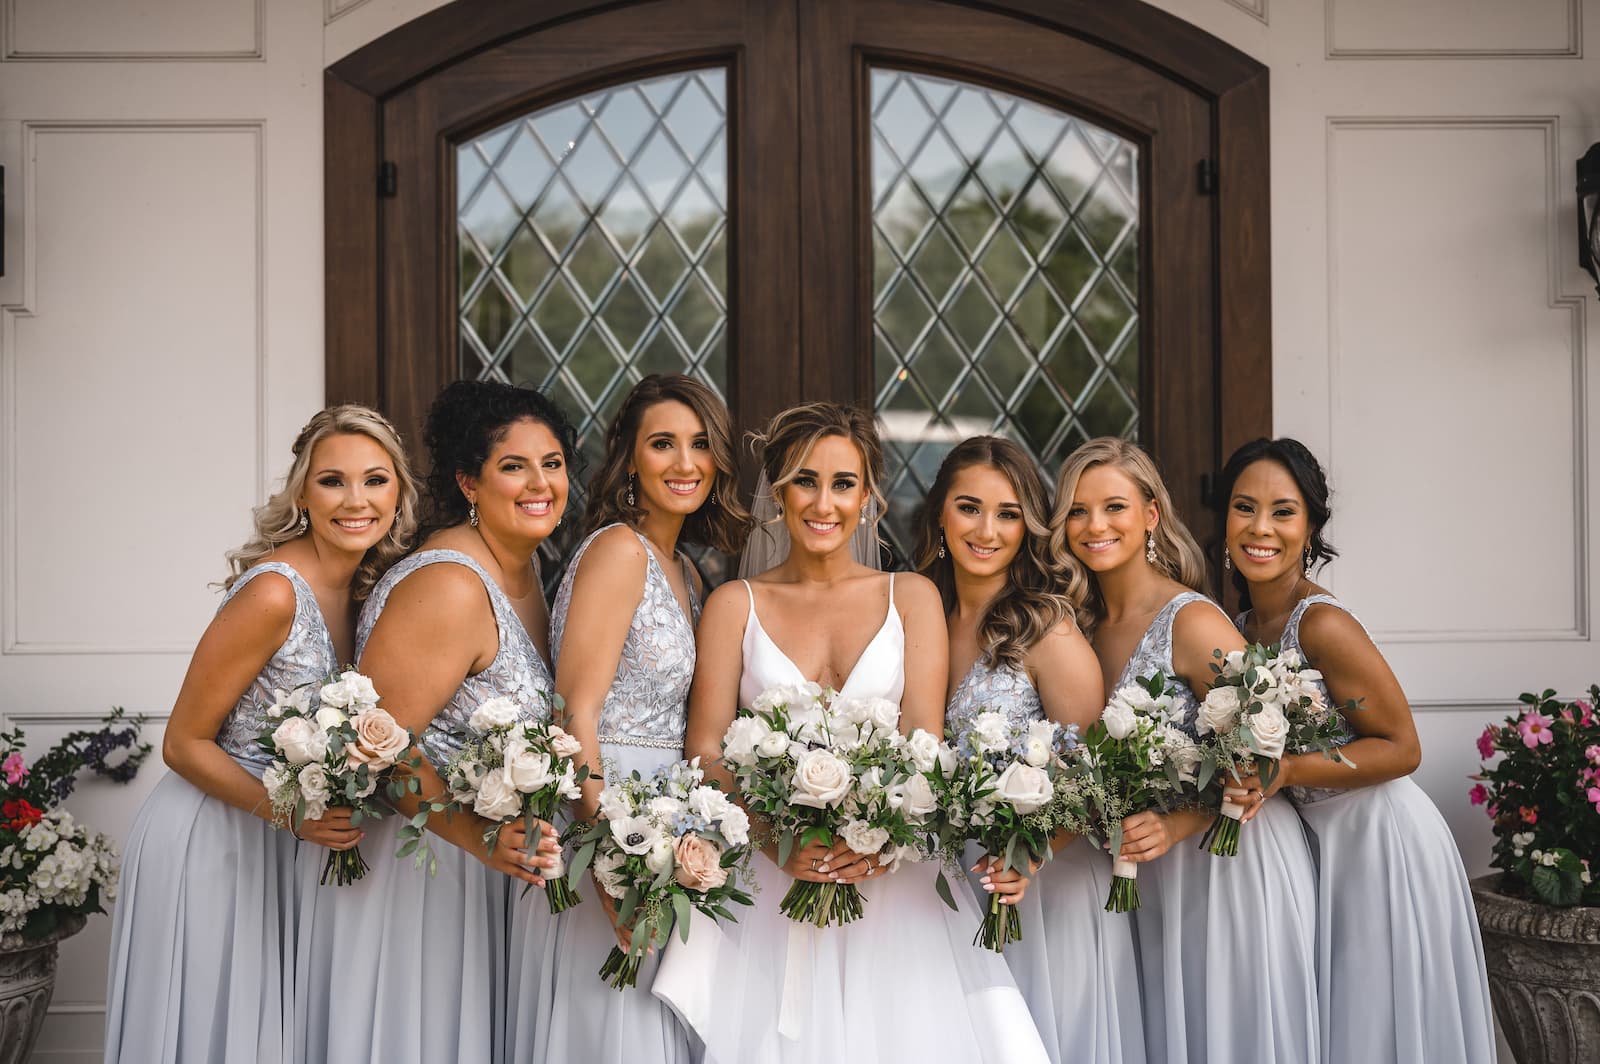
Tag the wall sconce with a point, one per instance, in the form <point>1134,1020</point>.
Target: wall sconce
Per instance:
<point>1588,209</point>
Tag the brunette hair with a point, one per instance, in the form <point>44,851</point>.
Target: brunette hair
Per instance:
<point>722,522</point>
<point>792,433</point>
<point>1034,599</point>
<point>277,521</point>
<point>1308,476</point>
<point>1177,553</point>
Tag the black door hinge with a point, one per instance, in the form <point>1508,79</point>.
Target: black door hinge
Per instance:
<point>1206,177</point>
<point>388,180</point>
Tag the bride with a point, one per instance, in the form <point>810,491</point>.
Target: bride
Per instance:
<point>767,989</point>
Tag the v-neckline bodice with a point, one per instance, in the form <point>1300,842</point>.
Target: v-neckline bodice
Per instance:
<point>891,617</point>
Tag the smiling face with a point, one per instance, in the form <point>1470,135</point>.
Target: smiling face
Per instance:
<point>672,460</point>
<point>521,491</point>
<point>822,504</point>
<point>1267,524</point>
<point>351,492</point>
<point>1108,519</point>
<point>982,520</point>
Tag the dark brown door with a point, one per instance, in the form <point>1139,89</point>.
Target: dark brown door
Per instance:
<point>973,221</point>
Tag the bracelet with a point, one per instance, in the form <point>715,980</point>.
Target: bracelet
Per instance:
<point>295,831</point>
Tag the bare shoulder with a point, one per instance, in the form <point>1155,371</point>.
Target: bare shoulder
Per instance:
<point>728,604</point>
<point>614,558</point>
<point>913,591</point>
<point>445,586</point>
<point>1202,622</point>
<point>270,593</point>
<point>1327,630</point>
<point>1065,642</point>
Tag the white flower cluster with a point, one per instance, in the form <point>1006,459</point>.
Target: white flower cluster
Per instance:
<point>1262,701</point>
<point>56,861</point>
<point>1152,720</point>
<point>515,759</point>
<point>319,753</point>
<point>1020,754</point>
<point>679,825</point>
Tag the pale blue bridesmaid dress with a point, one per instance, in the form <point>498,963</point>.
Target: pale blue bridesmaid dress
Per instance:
<point>406,968</point>
<point>641,729</point>
<point>202,940</point>
<point>1227,945</point>
<point>1076,965</point>
<point>1400,972</point>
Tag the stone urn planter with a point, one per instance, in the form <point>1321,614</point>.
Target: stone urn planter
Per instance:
<point>27,979</point>
<point>1544,975</point>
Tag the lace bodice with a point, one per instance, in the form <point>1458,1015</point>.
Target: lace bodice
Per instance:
<point>517,671</point>
<point>1154,654</point>
<point>1290,640</point>
<point>307,655</point>
<point>648,702</point>
<point>1006,689</point>
<point>880,671</point>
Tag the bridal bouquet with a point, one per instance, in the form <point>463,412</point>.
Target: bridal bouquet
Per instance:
<point>1135,757</point>
<point>1261,703</point>
<point>1008,787</point>
<point>518,768</point>
<point>332,744</point>
<point>661,846</point>
<point>819,768</point>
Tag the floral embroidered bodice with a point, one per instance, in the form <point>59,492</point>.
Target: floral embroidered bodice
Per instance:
<point>648,703</point>
<point>1290,640</point>
<point>517,672</point>
<point>306,656</point>
<point>1006,689</point>
<point>1154,654</point>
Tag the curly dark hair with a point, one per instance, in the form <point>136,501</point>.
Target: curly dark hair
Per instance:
<point>721,523</point>
<point>1303,466</point>
<point>466,420</point>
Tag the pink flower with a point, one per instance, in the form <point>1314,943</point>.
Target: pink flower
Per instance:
<point>1535,730</point>
<point>1594,796</point>
<point>1585,713</point>
<point>1591,752</point>
<point>1486,742</point>
<point>15,769</point>
<point>1479,794</point>
<point>1529,816</point>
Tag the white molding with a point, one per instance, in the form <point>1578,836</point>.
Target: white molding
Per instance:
<point>1572,49</point>
<point>1256,9</point>
<point>333,10</point>
<point>1556,299</point>
<point>10,447</point>
<point>77,718</point>
<point>254,54</point>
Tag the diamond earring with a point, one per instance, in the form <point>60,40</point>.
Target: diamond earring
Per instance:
<point>1308,563</point>
<point>713,499</point>
<point>941,543</point>
<point>630,489</point>
<point>1227,561</point>
<point>472,513</point>
<point>305,522</point>
<point>1150,547</point>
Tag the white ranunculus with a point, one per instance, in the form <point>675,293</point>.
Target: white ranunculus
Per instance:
<point>1119,717</point>
<point>498,798</point>
<point>1220,711</point>
<point>923,749</point>
<point>917,798</point>
<point>330,717</point>
<point>1271,730</point>
<point>709,803</point>
<point>528,771</point>
<point>635,834</point>
<point>772,744</point>
<point>659,859</point>
<point>564,745</point>
<point>314,789</point>
<point>300,740</point>
<point>1035,751</point>
<point>735,825</point>
<point>739,743</point>
<point>863,837</point>
<point>821,779</point>
<point>497,712</point>
<point>1028,789</point>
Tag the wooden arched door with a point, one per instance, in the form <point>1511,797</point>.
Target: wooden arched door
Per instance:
<point>1047,221</point>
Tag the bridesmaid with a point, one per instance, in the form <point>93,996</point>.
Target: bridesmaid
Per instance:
<point>406,965</point>
<point>204,926</point>
<point>623,642</point>
<point>983,538</point>
<point>1226,944</point>
<point>1400,971</point>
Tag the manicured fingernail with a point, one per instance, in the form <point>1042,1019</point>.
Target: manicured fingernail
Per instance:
<point>822,867</point>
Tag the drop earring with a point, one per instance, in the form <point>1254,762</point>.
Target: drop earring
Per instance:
<point>1308,563</point>
<point>1227,561</point>
<point>472,513</point>
<point>305,522</point>
<point>1150,547</point>
<point>630,489</point>
<point>713,499</point>
<point>941,543</point>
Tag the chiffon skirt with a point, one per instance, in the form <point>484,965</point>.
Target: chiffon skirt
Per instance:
<point>402,967</point>
<point>901,985</point>
<point>1075,966</point>
<point>1399,959</point>
<point>1227,948</point>
<point>561,1010</point>
<point>201,935</point>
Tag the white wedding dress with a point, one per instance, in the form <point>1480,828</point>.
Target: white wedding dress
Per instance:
<point>901,985</point>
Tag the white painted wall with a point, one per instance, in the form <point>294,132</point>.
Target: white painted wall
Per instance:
<point>161,330</point>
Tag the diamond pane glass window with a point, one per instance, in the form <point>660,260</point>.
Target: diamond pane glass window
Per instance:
<point>1006,278</point>
<point>592,246</point>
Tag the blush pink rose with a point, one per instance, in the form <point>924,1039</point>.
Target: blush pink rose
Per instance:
<point>379,740</point>
<point>699,864</point>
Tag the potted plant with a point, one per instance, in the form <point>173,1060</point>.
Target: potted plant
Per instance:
<point>1540,914</point>
<point>53,870</point>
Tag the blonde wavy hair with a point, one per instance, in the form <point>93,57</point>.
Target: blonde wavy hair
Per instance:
<point>1177,554</point>
<point>791,434</point>
<point>277,521</point>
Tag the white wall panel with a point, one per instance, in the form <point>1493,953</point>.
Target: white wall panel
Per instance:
<point>133,29</point>
<point>1455,380</point>
<point>132,383</point>
<point>1422,28</point>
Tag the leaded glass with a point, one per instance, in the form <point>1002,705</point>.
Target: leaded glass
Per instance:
<point>1005,268</point>
<point>592,250</point>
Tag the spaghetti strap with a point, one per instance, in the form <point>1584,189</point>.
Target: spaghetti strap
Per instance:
<point>891,592</point>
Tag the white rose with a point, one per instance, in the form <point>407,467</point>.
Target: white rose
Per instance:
<point>1220,711</point>
<point>735,825</point>
<point>528,771</point>
<point>881,714</point>
<point>314,789</point>
<point>864,838</point>
<point>1271,730</point>
<point>300,740</point>
<point>564,745</point>
<point>1028,789</point>
<point>1233,662</point>
<point>614,804</point>
<point>871,780</point>
<point>772,744</point>
<point>917,796</point>
<point>499,712</point>
<point>329,717</point>
<point>709,803</point>
<point>820,780</point>
<point>659,859</point>
<point>783,695</point>
<point>739,744</point>
<point>635,834</point>
<point>923,749</point>
<point>1119,717</point>
<point>497,797</point>
<point>567,786</point>
<point>1035,751</point>
<point>1263,685</point>
<point>947,759</point>
<point>990,731</point>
